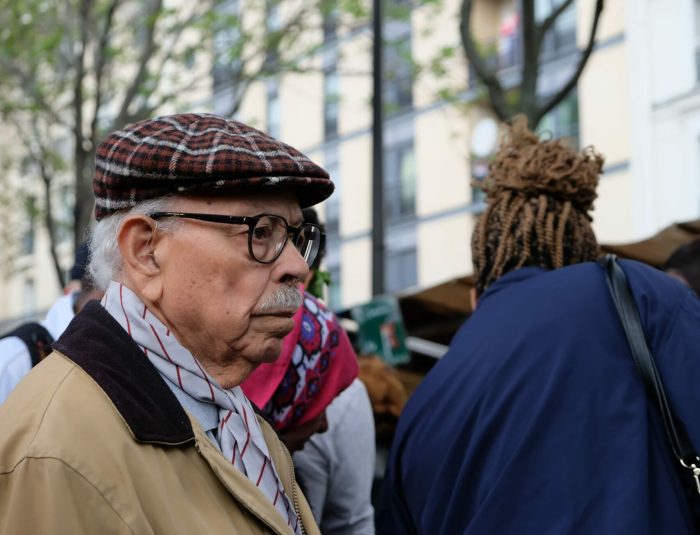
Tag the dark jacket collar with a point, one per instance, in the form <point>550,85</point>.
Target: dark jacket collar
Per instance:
<point>99,345</point>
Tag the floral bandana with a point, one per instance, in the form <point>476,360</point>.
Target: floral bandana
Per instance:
<point>317,363</point>
<point>238,434</point>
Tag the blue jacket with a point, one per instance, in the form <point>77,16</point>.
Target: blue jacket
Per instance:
<point>536,421</point>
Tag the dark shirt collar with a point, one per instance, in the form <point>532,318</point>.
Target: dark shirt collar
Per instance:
<point>99,345</point>
<point>512,277</point>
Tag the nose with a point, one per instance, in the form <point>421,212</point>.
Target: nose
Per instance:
<point>291,268</point>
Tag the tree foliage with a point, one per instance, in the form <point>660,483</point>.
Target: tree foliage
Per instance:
<point>73,70</point>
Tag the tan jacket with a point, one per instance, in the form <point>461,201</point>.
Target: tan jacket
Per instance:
<point>96,443</point>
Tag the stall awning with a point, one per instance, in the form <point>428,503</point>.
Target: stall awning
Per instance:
<point>436,312</point>
<point>658,248</point>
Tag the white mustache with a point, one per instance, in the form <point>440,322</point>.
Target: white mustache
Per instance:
<point>286,298</point>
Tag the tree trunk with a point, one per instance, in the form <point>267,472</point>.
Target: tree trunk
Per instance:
<point>84,198</point>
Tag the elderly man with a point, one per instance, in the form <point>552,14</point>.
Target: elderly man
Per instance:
<point>136,423</point>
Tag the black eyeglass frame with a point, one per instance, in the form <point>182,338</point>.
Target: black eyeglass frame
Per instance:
<point>251,222</point>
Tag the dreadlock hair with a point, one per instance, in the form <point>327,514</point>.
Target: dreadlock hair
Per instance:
<point>538,195</point>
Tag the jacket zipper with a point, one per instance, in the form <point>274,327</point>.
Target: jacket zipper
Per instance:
<point>294,490</point>
<point>296,504</point>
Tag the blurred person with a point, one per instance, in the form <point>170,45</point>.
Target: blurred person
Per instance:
<point>77,271</point>
<point>387,395</point>
<point>536,420</point>
<point>684,264</point>
<point>323,414</point>
<point>28,344</point>
<point>137,423</point>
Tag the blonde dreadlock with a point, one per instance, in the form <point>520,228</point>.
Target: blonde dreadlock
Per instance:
<point>538,195</point>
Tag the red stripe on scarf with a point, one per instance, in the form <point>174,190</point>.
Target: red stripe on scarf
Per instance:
<point>262,471</point>
<point>121,301</point>
<point>165,352</point>
<point>204,374</point>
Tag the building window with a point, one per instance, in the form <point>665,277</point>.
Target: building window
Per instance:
<point>335,297</point>
<point>64,215</point>
<point>273,125</point>
<point>29,234</point>
<point>509,44</point>
<point>332,262</point>
<point>330,16</point>
<point>226,35</point>
<point>398,76</point>
<point>563,121</point>
<point>399,182</point>
<point>479,171</point>
<point>331,97</point>
<point>398,59</point>
<point>697,40</point>
<point>331,93</point>
<point>29,300</point>
<point>273,25</point>
<point>400,269</point>
<point>561,37</point>
<point>332,165</point>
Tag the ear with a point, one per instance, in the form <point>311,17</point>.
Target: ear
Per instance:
<point>138,239</point>
<point>473,299</point>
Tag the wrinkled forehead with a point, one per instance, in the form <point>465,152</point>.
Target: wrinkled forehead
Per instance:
<point>282,201</point>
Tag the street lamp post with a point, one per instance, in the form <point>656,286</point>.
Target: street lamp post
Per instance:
<point>377,152</point>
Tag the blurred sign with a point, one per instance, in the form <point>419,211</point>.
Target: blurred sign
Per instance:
<point>381,330</point>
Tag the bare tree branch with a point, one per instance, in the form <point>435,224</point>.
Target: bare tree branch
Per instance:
<point>147,109</point>
<point>100,63</point>
<point>549,21</point>
<point>573,80</point>
<point>81,219</point>
<point>148,50</point>
<point>30,86</point>
<point>489,79</point>
<point>84,17</point>
<point>40,156</point>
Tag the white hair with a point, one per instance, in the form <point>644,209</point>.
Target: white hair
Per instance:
<point>105,257</point>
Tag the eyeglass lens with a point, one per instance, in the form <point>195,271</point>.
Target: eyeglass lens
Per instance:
<point>270,235</point>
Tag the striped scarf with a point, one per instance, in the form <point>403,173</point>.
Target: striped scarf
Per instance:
<point>238,434</point>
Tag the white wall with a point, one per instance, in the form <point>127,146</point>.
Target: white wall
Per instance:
<point>664,113</point>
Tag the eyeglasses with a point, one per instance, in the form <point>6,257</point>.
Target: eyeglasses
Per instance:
<point>267,234</point>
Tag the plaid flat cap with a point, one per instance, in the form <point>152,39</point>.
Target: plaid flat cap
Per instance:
<point>195,152</point>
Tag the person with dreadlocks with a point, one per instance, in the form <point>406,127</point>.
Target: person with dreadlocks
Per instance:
<point>536,420</point>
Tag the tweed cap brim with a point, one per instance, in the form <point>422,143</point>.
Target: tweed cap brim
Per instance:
<point>192,153</point>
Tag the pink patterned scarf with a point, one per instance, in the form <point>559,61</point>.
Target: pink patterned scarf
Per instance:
<point>317,363</point>
<point>239,436</point>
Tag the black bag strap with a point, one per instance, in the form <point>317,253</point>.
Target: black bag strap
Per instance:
<point>644,360</point>
<point>37,339</point>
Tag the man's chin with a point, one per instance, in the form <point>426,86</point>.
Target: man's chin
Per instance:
<point>274,326</point>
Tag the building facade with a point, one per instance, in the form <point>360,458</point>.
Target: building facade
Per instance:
<point>637,102</point>
<point>434,149</point>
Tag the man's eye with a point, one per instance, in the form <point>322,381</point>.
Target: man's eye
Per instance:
<point>262,232</point>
